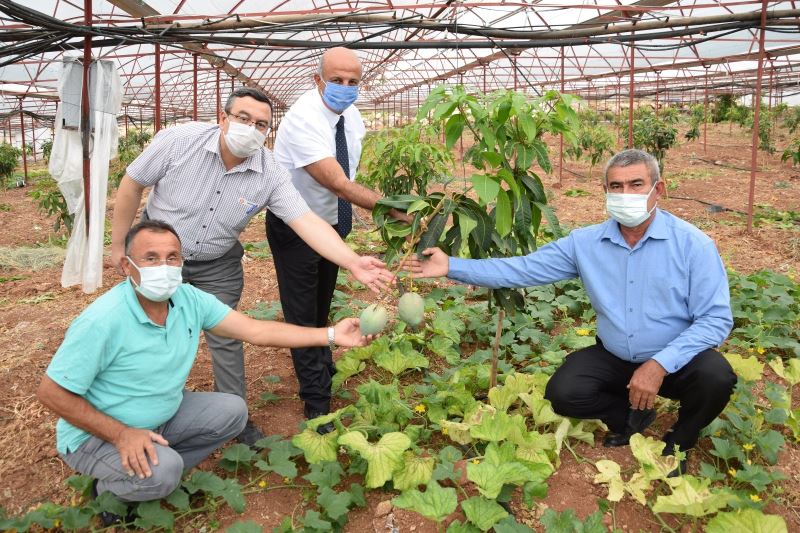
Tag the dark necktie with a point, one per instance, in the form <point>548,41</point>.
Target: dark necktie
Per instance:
<point>345,209</point>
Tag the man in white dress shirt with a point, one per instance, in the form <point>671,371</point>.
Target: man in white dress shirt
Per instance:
<point>319,141</point>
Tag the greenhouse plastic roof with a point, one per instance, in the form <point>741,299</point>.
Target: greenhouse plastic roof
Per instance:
<point>406,46</point>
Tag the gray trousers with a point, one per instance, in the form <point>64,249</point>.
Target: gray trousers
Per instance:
<point>224,278</point>
<point>204,422</point>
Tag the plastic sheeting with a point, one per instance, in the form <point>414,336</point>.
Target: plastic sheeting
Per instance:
<point>84,261</point>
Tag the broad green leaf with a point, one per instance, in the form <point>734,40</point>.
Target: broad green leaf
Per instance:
<point>541,410</point>
<point>457,431</point>
<point>503,213</point>
<point>383,458</point>
<point>608,472</point>
<point>316,448</point>
<point>238,453</point>
<point>749,520</point>
<point>312,520</point>
<point>486,187</point>
<point>648,452</point>
<point>74,518</point>
<point>415,471</point>
<point>726,450</point>
<point>179,499</point>
<point>244,527</point>
<point>490,478</point>
<point>492,427</point>
<point>107,502</point>
<point>436,503</point>
<point>692,496</point>
<point>790,373</point>
<point>769,444</point>
<point>335,503</point>
<point>346,367</point>
<point>482,512</point>
<point>205,481</point>
<point>457,527</point>
<point>747,368</point>
<point>232,494</point>
<point>326,474</point>
<point>533,490</point>
<point>152,516</point>
<point>397,361</point>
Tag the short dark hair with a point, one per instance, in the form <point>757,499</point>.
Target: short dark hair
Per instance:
<point>156,226</point>
<point>633,156</point>
<point>241,92</point>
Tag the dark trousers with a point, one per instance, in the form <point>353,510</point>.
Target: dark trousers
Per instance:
<point>306,282</point>
<point>591,383</point>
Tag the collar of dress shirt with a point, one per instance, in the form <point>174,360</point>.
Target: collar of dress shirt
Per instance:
<point>656,230</point>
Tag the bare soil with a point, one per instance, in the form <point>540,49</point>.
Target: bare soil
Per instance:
<point>35,312</point>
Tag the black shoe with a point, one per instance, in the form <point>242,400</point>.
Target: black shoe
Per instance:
<point>250,434</point>
<point>638,421</point>
<point>106,518</point>
<point>310,412</point>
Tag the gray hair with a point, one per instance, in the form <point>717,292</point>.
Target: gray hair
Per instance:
<point>634,156</point>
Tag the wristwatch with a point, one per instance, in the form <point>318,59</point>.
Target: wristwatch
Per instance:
<point>331,338</point>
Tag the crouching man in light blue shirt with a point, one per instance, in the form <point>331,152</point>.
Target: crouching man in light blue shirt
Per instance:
<point>660,292</point>
<point>117,381</point>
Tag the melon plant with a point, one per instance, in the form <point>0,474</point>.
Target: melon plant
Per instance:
<point>373,319</point>
<point>411,308</point>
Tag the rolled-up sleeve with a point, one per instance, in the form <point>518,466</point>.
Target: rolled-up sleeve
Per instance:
<point>153,162</point>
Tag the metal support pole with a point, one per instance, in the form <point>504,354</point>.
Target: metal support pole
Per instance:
<point>22,131</point>
<point>630,103</point>
<point>194,91</point>
<point>85,125</point>
<point>619,111</point>
<point>756,118</point>
<point>705,115</point>
<point>658,78</point>
<point>219,99</point>
<point>561,136</point>
<point>514,63</point>
<point>157,89</point>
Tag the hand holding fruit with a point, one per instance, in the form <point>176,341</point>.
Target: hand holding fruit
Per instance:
<point>372,272</point>
<point>347,333</point>
<point>436,264</point>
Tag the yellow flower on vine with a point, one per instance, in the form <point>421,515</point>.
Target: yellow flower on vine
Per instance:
<point>444,431</point>
<point>760,350</point>
<point>583,332</point>
<point>747,447</point>
<point>755,498</point>
<point>476,461</point>
<point>732,472</point>
<point>420,408</point>
<point>262,483</point>
<point>750,350</point>
<point>286,480</point>
<point>718,433</point>
<point>749,462</point>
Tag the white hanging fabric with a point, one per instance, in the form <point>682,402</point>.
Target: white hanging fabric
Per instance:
<point>84,261</point>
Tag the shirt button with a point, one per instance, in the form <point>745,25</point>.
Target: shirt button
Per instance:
<point>631,282</point>
<point>217,192</point>
<point>204,226</point>
<point>630,309</point>
<point>630,336</point>
<point>210,208</point>
<point>197,242</point>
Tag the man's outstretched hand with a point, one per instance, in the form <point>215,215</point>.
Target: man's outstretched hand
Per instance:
<point>372,272</point>
<point>436,264</point>
<point>347,333</point>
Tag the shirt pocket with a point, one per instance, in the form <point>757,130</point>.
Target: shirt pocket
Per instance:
<point>665,297</point>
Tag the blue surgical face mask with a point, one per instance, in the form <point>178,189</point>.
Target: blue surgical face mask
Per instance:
<point>339,97</point>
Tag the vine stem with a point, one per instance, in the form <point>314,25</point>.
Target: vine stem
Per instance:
<point>501,315</point>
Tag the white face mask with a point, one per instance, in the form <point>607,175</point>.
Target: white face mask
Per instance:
<point>243,141</point>
<point>157,283</point>
<point>630,210</point>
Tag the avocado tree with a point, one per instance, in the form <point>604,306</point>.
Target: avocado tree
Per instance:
<point>500,213</point>
<point>9,159</point>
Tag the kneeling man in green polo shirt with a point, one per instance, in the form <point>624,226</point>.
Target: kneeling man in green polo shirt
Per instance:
<point>117,381</point>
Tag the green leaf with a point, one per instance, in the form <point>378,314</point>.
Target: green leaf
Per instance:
<point>750,520</point>
<point>232,494</point>
<point>316,448</point>
<point>492,427</point>
<point>769,444</point>
<point>76,518</point>
<point>436,503</point>
<point>326,474</point>
<point>205,481</point>
<point>503,213</point>
<point>107,502</point>
<point>152,516</point>
<point>383,458</point>
<point>490,478</point>
<point>457,527</point>
<point>533,490</point>
<point>238,453</point>
<point>313,521</point>
<point>609,472</point>
<point>482,512</point>
<point>510,525</point>
<point>432,235</point>
<point>486,187</point>
<point>179,499</point>
<point>453,128</point>
<point>563,522</point>
<point>335,503</point>
<point>414,472</point>
<point>791,373</point>
<point>346,367</point>
<point>692,496</point>
<point>748,368</point>
<point>397,361</point>
<point>244,527</point>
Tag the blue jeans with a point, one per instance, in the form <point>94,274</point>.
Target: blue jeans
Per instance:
<point>204,422</point>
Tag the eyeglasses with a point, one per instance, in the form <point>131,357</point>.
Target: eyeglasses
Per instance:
<point>260,125</point>
<point>155,261</point>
